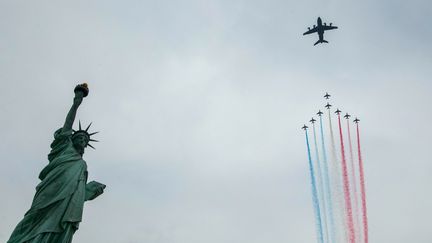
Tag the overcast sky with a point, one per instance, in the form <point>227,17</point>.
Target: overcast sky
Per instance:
<point>199,105</point>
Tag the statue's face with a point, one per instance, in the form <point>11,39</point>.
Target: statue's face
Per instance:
<point>80,141</point>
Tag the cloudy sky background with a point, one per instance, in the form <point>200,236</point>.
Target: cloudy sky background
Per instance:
<point>200,104</point>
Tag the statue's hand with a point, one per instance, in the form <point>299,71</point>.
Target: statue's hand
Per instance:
<point>100,189</point>
<point>94,189</point>
<point>78,98</point>
<point>81,91</point>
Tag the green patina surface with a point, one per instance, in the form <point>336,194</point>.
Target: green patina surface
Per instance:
<point>57,206</point>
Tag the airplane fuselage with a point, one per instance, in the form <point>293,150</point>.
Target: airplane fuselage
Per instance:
<point>320,29</point>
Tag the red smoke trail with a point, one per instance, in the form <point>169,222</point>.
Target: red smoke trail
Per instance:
<point>362,187</point>
<point>354,185</point>
<point>346,188</point>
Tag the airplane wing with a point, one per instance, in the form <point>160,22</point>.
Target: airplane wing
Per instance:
<point>328,27</point>
<point>310,31</point>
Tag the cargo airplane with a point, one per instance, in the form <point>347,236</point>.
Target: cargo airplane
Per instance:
<point>320,28</point>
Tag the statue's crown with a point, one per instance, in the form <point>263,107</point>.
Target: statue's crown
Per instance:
<point>86,133</point>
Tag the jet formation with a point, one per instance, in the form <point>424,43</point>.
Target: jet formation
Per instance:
<point>320,28</point>
<point>328,105</point>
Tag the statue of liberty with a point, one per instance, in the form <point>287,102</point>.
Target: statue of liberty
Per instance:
<point>57,206</point>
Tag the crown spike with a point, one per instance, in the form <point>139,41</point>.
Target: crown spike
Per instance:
<point>93,140</point>
<point>91,146</point>
<point>79,122</point>
<point>93,133</point>
<point>88,126</point>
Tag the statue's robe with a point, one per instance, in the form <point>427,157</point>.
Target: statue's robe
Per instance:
<point>57,206</point>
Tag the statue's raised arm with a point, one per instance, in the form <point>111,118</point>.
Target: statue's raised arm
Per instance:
<point>81,91</point>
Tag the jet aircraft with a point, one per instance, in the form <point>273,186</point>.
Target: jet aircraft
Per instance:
<point>347,116</point>
<point>356,120</point>
<point>328,106</point>
<point>312,120</point>
<point>319,113</point>
<point>327,96</point>
<point>338,111</point>
<point>305,127</point>
<point>320,28</point>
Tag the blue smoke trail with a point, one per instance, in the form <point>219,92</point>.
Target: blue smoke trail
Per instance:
<point>327,187</point>
<point>314,194</point>
<point>321,187</point>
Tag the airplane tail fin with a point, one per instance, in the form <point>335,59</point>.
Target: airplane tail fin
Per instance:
<point>320,41</point>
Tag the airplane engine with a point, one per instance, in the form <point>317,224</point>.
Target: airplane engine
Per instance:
<point>331,24</point>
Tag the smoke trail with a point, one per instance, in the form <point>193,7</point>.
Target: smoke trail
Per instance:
<point>314,194</point>
<point>337,185</point>
<point>320,187</point>
<point>331,230</point>
<point>354,186</point>
<point>333,144</point>
<point>346,188</point>
<point>363,190</point>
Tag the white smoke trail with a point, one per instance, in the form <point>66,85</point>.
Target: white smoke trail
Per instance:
<point>342,232</point>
